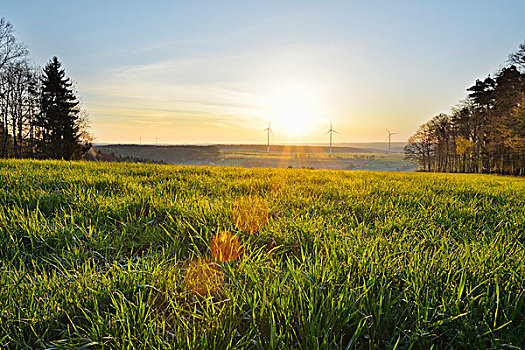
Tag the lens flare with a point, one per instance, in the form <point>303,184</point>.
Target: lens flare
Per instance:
<point>249,213</point>
<point>204,277</point>
<point>225,247</point>
<point>277,185</point>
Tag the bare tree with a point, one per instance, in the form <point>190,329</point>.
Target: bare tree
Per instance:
<point>22,78</point>
<point>5,100</point>
<point>86,137</point>
<point>421,146</point>
<point>10,52</point>
<point>10,49</point>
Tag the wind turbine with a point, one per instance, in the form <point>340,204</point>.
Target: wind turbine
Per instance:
<point>268,131</point>
<point>331,131</point>
<point>389,137</point>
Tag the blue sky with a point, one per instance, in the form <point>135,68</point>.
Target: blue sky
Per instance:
<point>218,71</point>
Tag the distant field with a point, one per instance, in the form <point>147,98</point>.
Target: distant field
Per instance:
<point>168,154</point>
<point>101,255</point>
<point>337,161</point>
<point>362,147</point>
<point>280,156</point>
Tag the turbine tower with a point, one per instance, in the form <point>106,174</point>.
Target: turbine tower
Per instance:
<point>389,137</point>
<point>268,131</point>
<point>331,131</point>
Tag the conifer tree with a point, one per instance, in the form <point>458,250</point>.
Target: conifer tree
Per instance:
<point>59,121</point>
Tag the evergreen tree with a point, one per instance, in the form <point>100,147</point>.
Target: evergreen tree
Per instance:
<point>59,120</point>
<point>518,57</point>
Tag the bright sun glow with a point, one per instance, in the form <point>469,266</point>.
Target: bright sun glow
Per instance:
<point>294,110</point>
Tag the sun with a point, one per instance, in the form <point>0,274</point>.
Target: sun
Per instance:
<point>294,110</point>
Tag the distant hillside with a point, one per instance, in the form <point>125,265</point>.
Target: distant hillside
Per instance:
<point>93,155</point>
<point>168,154</point>
<point>343,147</point>
<point>395,147</point>
<point>287,149</point>
<point>369,156</point>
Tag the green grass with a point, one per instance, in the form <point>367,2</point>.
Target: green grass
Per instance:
<point>319,160</point>
<point>94,255</point>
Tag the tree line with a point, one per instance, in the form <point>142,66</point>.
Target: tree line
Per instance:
<point>485,133</point>
<point>40,115</point>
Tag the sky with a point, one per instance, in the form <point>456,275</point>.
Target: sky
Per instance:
<point>219,71</point>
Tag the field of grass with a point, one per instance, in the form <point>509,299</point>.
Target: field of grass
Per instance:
<point>337,161</point>
<point>99,255</point>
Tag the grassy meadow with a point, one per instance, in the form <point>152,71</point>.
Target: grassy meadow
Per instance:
<point>124,256</point>
<point>316,160</point>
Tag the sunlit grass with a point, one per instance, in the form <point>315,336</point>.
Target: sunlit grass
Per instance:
<point>225,247</point>
<point>128,256</point>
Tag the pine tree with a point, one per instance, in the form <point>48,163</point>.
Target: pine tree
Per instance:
<point>59,121</point>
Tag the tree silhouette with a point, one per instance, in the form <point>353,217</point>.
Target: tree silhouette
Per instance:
<point>59,120</point>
